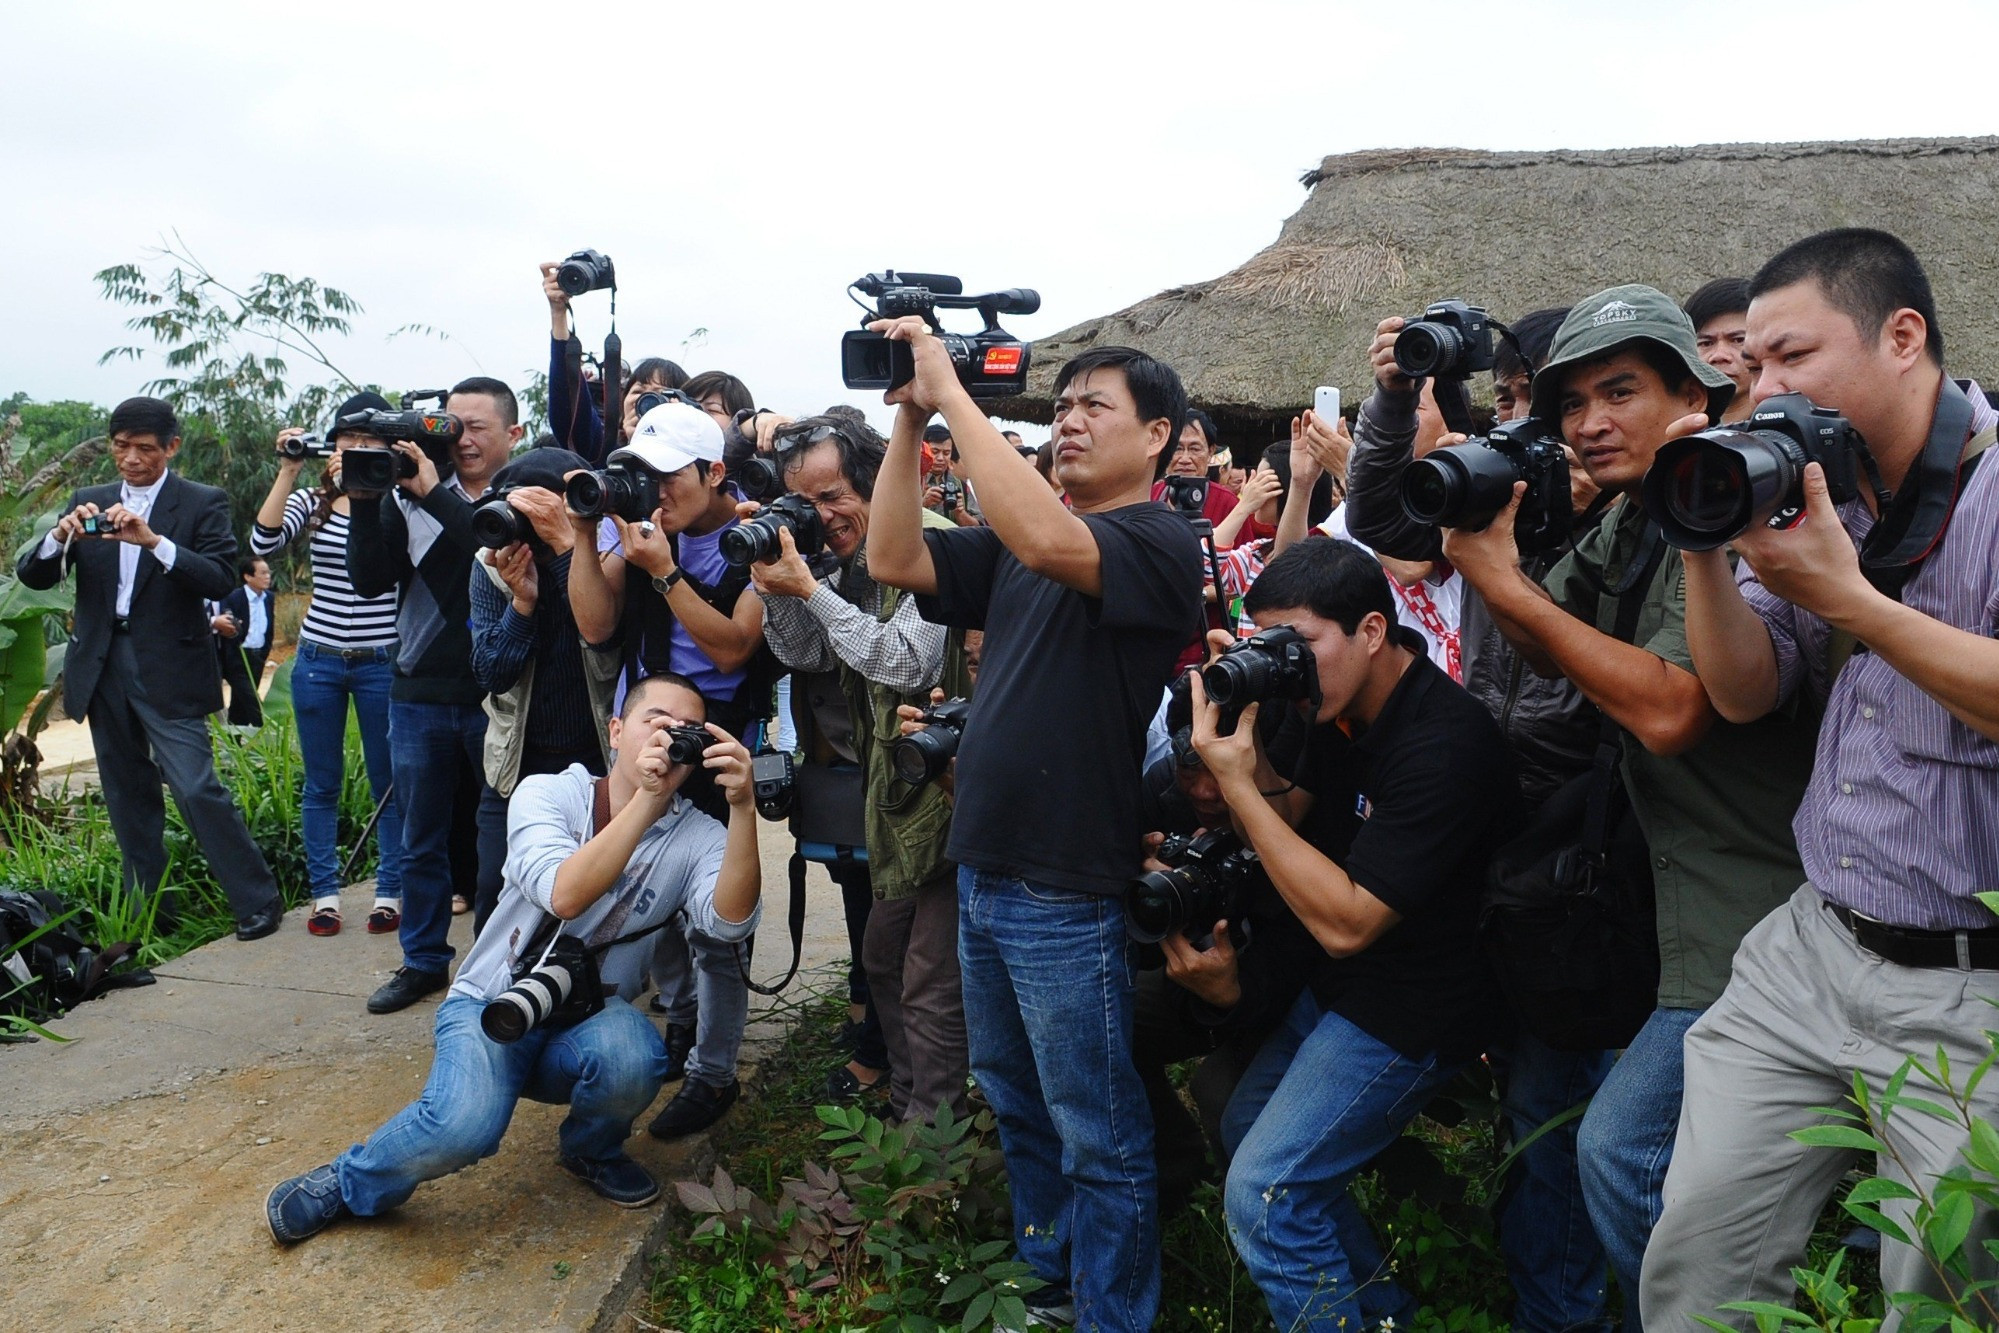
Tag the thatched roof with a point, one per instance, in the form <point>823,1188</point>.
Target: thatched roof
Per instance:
<point>1386,231</point>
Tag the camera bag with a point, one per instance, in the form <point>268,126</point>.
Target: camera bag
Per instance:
<point>47,967</point>
<point>1568,919</point>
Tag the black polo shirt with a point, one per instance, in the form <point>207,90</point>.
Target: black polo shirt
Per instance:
<point>1432,785</point>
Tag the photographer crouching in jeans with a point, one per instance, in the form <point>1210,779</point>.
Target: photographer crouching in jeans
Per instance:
<point>1402,998</point>
<point>594,864</point>
<point>1084,611</point>
<point>883,656</point>
<point>1884,953</point>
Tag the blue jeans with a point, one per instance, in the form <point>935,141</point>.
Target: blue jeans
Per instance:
<point>1048,998</point>
<point>323,683</point>
<point>1551,1250</point>
<point>1626,1144</point>
<point>606,1069</point>
<point>430,745</point>
<point>1314,1107</point>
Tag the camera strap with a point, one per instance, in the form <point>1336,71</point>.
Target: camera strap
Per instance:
<point>1912,523</point>
<point>1630,596</point>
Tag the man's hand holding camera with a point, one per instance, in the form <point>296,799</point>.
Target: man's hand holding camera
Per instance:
<point>786,576</point>
<point>1381,356</point>
<point>646,545</point>
<point>114,524</point>
<point>936,381</point>
<point>426,478</point>
<point>550,516</point>
<point>1813,564</point>
<point>515,565</point>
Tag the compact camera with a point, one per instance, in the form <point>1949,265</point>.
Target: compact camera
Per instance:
<point>991,363</point>
<point>1208,879</point>
<point>1466,485</point>
<point>1276,664</point>
<point>686,744</point>
<point>100,525</point>
<point>922,756</point>
<point>1705,490</point>
<point>1450,340</point>
<point>756,540</point>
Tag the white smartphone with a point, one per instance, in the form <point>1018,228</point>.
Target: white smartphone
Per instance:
<point>1326,403</point>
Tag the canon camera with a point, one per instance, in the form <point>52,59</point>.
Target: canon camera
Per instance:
<point>1705,490</point>
<point>1448,341</point>
<point>922,756</point>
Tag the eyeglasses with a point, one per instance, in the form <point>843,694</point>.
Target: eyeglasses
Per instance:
<point>787,441</point>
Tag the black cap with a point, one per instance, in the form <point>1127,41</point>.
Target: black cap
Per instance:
<point>360,402</point>
<point>540,467</point>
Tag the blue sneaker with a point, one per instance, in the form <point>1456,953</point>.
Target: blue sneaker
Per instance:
<point>305,1205</point>
<point>621,1180</point>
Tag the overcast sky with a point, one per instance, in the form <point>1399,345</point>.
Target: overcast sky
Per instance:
<point>742,162</point>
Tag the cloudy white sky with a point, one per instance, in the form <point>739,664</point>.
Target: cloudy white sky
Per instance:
<point>743,161</point>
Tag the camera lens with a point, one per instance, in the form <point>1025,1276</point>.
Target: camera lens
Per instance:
<point>585,494</point>
<point>497,523</point>
<point>1463,486</point>
<point>1238,678</point>
<point>687,746</point>
<point>1708,489</point>
<point>747,543</point>
<point>1155,905</point>
<point>527,1003</point>
<point>1424,349</point>
<point>921,756</point>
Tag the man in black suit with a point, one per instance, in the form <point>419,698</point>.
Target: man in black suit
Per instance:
<point>141,665</point>
<point>243,625</point>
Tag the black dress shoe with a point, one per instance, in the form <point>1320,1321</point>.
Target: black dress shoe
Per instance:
<point>695,1107</point>
<point>259,924</point>
<point>404,989</point>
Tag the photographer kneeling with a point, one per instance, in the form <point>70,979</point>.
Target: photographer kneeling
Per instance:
<point>596,863</point>
<point>1402,998</point>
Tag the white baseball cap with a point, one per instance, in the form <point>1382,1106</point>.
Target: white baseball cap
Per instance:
<point>670,437</point>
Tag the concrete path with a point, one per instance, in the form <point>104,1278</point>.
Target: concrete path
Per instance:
<point>134,1160</point>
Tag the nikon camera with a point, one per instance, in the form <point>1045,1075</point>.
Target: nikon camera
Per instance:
<point>922,756</point>
<point>756,540</point>
<point>1466,485</point>
<point>1706,489</point>
<point>1208,879</point>
<point>1449,341</point>
<point>1276,664</point>
<point>991,363</point>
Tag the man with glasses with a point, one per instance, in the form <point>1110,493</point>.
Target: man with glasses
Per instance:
<point>876,654</point>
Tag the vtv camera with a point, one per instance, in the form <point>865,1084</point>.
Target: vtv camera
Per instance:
<point>1466,485</point>
<point>991,363</point>
<point>378,468</point>
<point>1706,489</point>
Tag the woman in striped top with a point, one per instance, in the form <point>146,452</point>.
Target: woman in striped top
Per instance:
<point>346,649</point>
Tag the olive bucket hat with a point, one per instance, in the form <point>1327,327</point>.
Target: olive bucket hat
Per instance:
<point>1609,321</point>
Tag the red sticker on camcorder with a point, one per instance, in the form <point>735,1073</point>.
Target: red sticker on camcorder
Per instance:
<point>1003,360</point>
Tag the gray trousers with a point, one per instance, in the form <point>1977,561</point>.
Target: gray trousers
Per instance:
<point>701,981</point>
<point>911,957</point>
<point>1805,1009</point>
<point>137,749</point>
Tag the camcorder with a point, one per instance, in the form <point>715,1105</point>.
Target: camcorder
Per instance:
<point>1276,664</point>
<point>991,363</point>
<point>559,989</point>
<point>1448,341</point>
<point>922,756</point>
<point>686,744</point>
<point>495,523</point>
<point>306,446</point>
<point>1706,489</point>
<point>586,271</point>
<point>626,488</point>
<point>1209,878</point>
<point>773,784</point>
<point>378,468</point>
<point>757,539</point>
<point>1466,485</point>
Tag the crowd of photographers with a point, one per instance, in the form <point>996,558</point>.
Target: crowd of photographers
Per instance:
<point>1641,748</point>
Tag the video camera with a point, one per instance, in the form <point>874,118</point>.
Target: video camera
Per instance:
<point>1208,879</point>
<point>922,756</point>
<point>757,540</point>
<point>1466,485</point>
<point>1276,664</point>
<point>626,488</point>
<point>373,468</point>
<point>586,271</point>
<point>306,446</point>
<point>1706,489</point>
<point>991,363</point>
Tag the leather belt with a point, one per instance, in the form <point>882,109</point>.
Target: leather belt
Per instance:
<point>311,649</point>
<point>121,624</point>
<point>1965,950</point>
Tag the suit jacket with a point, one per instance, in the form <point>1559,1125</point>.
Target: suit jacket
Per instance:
<point>170,631</point>
<point>237,604</point>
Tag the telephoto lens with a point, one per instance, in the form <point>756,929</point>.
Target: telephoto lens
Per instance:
<point>1706,489</point>
<point>495,523</point>
<point>757,540</point>
<point>687,744</point>
<point>526,1005</point>
<point>922,756</point>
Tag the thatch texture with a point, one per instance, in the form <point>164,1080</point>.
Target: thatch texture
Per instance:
<point>1384,232</point>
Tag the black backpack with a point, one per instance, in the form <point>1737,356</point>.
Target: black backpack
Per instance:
<point>46,965</point>
<point>1568,921</point>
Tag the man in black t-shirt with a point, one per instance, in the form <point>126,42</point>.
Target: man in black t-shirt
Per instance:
<point>1084,611</point>
<point>1401,1001</point>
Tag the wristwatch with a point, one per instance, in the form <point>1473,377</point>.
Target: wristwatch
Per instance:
<point>663,583</point>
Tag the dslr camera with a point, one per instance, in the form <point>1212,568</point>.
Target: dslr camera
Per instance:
<point>377,467</point>
<point>1706,489</point>
<point>560,989</point>
<point>756,540</point>
<point>1208,879</point>
<point>626,488</point>
<point>495,523</point>
<point>586,271</point>
<point>686,745</point>
<point>773,784</point>
<point>1449,341</point>
<point>1466,485</point>
<point>922,756</point>
<point>1276,664</point>
<point>991,363</point>
<point>950,494</point>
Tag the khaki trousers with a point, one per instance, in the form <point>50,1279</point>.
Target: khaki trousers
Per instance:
<point>1805,1009</point>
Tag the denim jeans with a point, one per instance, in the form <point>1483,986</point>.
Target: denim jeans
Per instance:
<point>323,683</point>
<point>429,743</point>
<point>1551,1249</point>
<point>700,978</point>
<point>1048,1009</point>
<point>1314,1107</point>
<point>606,1069</point>
<point>1626,1144</point>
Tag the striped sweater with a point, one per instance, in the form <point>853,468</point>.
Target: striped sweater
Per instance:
<point>338,617</point>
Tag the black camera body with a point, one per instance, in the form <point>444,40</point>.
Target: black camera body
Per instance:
<point>1189,495</point>
<point>100,525</point>
<point>756,476</point>
<point>950,494</point>
<point>1209,878</point>
<point>1706,489</point>
<point>1466,485</point>
<point>586,271</point>
<point>495,523</point>
<point>557,991</point>
<point>686,745</point>
<point>922,756</point>
<point>306,446</point>
<point>378,468</point>
<point>1274,665</point>
<point>756,540</point>
<point>774,784</point>
<point>626,488</point>
<point>991,363</point>
<point>1450,340</point>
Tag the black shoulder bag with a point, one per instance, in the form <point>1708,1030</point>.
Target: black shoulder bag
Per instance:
<point>1568,920</point>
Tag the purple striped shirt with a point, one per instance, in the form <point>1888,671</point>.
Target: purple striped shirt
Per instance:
<point>1901,819</point>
